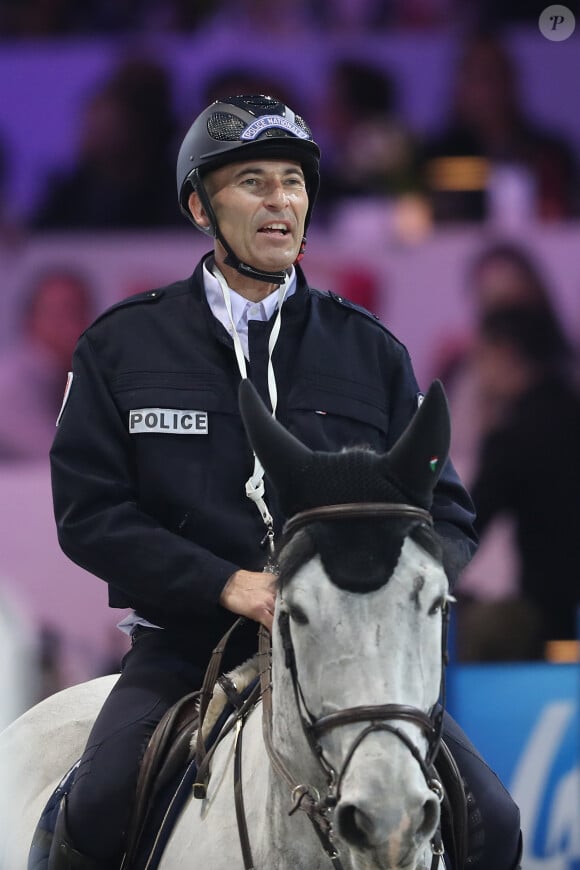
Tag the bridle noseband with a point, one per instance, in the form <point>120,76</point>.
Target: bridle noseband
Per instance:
<point>380,716</point>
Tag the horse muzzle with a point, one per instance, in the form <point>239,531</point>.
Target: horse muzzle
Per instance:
<point>374,823</point>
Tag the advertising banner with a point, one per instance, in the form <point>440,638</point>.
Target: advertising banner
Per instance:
<point>524,719</point>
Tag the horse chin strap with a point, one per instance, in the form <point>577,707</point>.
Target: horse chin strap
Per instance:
<point>306,797</point>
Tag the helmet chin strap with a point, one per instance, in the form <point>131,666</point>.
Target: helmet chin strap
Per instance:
<point>231,258</point>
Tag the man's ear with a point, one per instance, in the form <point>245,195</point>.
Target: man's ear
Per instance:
<point>197,210</point>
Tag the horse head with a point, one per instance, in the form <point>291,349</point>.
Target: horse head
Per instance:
<point>357,645</point>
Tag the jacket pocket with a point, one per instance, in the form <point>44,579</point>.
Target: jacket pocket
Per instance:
<point>179,390</point>
<point>328,413</point>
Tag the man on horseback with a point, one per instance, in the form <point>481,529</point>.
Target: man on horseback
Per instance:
<point>155,487</point>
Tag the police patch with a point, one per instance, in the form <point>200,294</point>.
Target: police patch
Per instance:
<point>168,421</point>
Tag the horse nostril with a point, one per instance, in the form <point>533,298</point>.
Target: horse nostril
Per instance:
<point>353,825</point>
<point>431,813</point>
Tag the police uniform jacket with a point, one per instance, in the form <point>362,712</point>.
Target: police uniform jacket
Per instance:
<point>150,458</point>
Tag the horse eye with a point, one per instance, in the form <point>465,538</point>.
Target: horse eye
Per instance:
<point>436,606</point>
<point>297,615</point>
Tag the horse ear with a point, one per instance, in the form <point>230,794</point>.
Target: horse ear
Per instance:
<point>279,452</point>
<point>418,457</point>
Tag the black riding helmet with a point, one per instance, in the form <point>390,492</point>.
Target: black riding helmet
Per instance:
<point>243,128</point>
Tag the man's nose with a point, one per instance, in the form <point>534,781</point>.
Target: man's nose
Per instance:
<point>276,195</point>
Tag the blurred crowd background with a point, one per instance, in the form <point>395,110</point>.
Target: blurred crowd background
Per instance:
<point>449,205</point>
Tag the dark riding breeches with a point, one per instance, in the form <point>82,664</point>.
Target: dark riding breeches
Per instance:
<point>155,675</point>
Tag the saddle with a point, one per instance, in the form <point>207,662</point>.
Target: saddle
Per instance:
<point>168,753</point>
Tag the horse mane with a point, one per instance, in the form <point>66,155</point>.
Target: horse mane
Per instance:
<point>358,555</point>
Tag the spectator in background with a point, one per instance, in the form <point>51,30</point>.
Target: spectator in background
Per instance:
<point>488,130</point>
<point>494,621</point>
<point>58,307</point>
<point>502,275</point>
<point>125,167</point>
<point>373,153</point>
<point>528,467</point>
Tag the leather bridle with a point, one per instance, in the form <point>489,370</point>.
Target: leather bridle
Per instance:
<point>381,716</point>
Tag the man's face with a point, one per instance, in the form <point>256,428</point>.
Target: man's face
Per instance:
<point>260,206</point>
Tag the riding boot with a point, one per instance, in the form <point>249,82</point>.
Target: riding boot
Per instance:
<point>64,856</point>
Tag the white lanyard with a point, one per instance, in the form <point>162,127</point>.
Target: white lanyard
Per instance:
<point>255,483</point>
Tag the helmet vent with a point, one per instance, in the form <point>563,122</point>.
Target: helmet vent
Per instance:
<point>257,104</point>
<point>225,127</point>
<point>302,123</point>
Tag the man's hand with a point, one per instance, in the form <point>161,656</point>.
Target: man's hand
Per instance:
<point>251,594</point>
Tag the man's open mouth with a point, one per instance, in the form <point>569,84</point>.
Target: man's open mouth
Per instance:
<point>275,229</point>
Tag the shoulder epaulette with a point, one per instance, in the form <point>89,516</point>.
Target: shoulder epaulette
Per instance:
<point>345,302</point>
<point>348,303</point>
<point>147,296</point>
